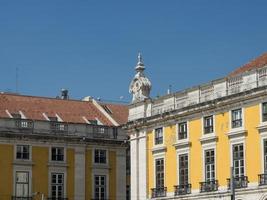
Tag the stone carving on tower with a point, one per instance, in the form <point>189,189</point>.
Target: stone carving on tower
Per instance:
<point>140,86</point>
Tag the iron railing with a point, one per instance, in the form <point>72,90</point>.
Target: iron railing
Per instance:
<point>182,189</point>
<point>209,186</point>
<point>239,181</point>
<point>262,179</point>
<point>158,192</point>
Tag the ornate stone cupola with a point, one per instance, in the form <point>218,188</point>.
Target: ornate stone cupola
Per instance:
<point>140,86</point>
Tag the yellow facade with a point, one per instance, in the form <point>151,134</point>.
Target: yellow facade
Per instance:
<point>253,159</point>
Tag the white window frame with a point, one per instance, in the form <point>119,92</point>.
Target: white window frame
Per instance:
<point>106,185</point>
<point>107,155</point>
<point>64,150</point>
<point>234,141</point>
<point>59,170</point>
<point>177,131</point>
<point>263,137</point>
<point>243,119</point>
<point>178,153</point>
<point>64,187</point>
<point>15,152</point>
<point>203,125</point>
<point>205,147</point>
<point>100,172</point>
<point>260,112</point>
<point>27,169</point>
<point>163,136</point>
<point>159,156</point>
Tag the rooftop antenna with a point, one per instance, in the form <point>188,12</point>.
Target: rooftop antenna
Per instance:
<point>17,79</point>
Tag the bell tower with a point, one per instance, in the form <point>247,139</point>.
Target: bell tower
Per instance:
<point>140,86</point>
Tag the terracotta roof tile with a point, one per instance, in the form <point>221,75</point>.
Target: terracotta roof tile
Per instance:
<point>71,111</point>
<point>253,64</point>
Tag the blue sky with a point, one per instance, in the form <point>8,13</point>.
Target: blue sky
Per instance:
<point>90,46</point>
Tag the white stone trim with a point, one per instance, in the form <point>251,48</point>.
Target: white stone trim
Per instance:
<point>23,143</point>
<point>205,147</point>
<point>231,129</point>
<point>60,170</point>
<point>177,131</point>
<point>107,155</point>
<point>57,146</point>
<point>163,136</point>
<point>19,168</point>
<point>213,125</point>
<point>178,153</point>
<point>155,157</point>
<point>100,172</point>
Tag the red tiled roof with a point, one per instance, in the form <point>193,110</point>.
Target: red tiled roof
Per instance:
<point>119,112</point>
<point>71,111</point>
<point>253,64</point>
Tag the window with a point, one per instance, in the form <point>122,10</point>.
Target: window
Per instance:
<point>100,187</point>
<point>159,173</point>
<point>159,136</point>
<point>23,152</point>
<point>182,130</point>
<point>264,112</point>
<point>57,154</point>
<point>183,169</point>
<point>100,156</point>
<point>209,165</point>
<point>57,186</point>
<point>208,124</point>
<point>265,155</point>
<point>22,184</point>
<point>236,118</point>
<point>238,160</point>
<point>128,192</point>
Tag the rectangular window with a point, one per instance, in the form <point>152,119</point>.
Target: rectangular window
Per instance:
<point>159,136</point>
<point>22,184</point>
<point>264,112</point>
<point>182,130</point>
<point>209,165</point>
<point>159,173</point>
<point>265,155</point>
<point>238,160</point>
<point>57,154</point>
<point>183,169</point>
<point>100,187</point>
<point>208,124</point>
<point>236,118</point>
<point>57,186</point>
<point>23,152</point>
<point>100,156</point>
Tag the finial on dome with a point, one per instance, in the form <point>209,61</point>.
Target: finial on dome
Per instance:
<point>140,65</point>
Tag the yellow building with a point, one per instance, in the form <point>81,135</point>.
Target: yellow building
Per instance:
<point>184,144</point>
<point>61,149</point>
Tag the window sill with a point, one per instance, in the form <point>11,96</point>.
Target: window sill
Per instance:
<point>57,164</point>
<point>208,137</point>
<point>23,162</point>
<point>262,127</point>
<point>184,143</point>
<point>237,132</point>
<point>159,149</point>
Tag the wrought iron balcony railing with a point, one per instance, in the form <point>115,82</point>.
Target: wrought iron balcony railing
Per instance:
<point>21,198</point>
<point>182,189</point>
<point>159,192</point>
<point>209,186</point>
<point>239,181</point>
<point>262,179</point>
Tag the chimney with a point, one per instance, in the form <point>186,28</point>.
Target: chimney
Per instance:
<point>64,94</point>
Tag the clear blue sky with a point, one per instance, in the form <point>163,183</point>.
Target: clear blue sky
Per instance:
<point>90,47</point>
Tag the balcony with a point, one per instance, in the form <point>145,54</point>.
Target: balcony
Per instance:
<point>24,123</point>
<point>182,189</point>
<point>58,126</point>
<point>159,192</point>
<point>240,182</point>
<point>21,198</point>
<point>262,179</point>
<point>209,186</point>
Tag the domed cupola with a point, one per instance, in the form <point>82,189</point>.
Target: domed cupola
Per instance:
<point>140,86</point>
